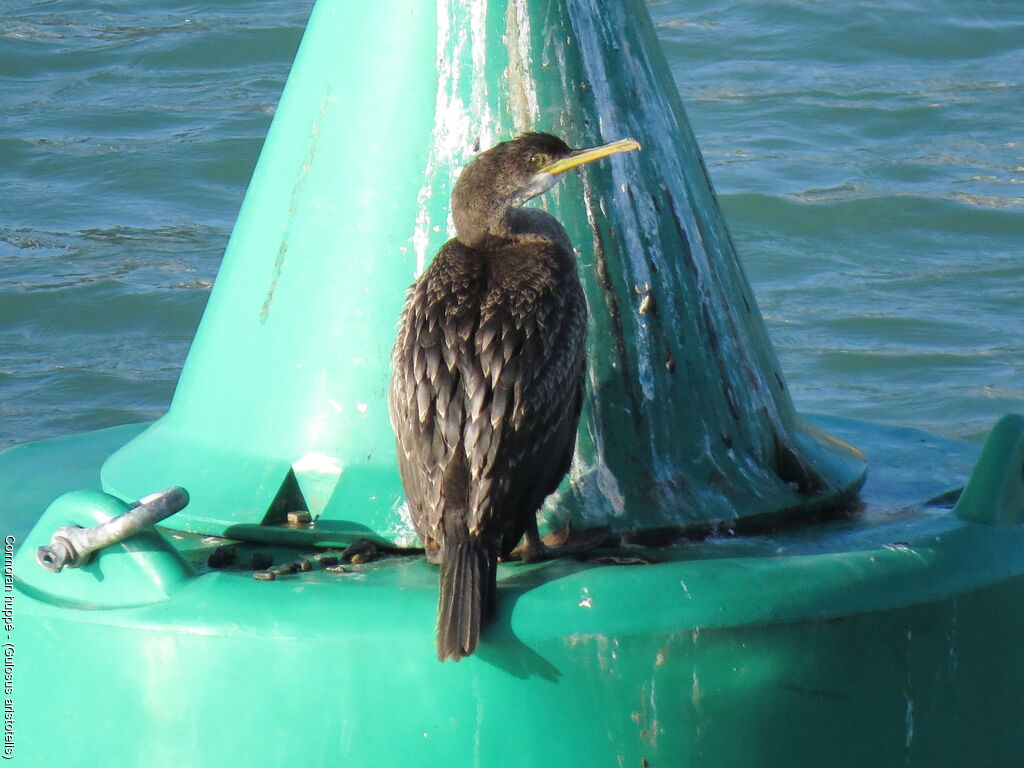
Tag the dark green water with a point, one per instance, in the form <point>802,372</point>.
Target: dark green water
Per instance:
<point>868,156</point>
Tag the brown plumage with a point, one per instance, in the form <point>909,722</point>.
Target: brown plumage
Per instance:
<point>488,377</point>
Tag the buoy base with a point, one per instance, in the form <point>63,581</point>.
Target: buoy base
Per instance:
<point>879,639</point>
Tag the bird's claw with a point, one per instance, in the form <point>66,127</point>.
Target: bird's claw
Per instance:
<point>559,543</point>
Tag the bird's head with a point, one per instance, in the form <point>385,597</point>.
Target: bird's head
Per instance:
<point>513,172</point>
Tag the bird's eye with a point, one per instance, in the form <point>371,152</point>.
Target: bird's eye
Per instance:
<point>539,160</point>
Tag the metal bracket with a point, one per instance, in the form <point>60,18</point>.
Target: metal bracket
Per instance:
<point>72,545</point>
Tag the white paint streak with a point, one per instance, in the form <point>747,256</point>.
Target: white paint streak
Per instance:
<point>320,463</point>
<point>522,89</point>
<point>909,717</point>
<point>401,531</point>
<point>607,483</point>
<point>450,140</point>
<point>463,118</point>
<point>420,238</point>
<point>479,103</point>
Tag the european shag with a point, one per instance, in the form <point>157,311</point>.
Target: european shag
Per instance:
<point>488,377</point>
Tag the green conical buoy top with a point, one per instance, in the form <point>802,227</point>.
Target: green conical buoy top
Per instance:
<point>282,401</point>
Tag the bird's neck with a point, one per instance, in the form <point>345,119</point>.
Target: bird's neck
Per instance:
<point>483,224</point>
<point>503,225</point>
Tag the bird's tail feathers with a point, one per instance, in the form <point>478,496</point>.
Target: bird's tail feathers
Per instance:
<point>467,596</point>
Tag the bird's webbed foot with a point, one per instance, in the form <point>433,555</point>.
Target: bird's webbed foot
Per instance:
<point>559,543</point>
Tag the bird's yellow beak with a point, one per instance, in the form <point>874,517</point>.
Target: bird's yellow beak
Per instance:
<point>581,156</point>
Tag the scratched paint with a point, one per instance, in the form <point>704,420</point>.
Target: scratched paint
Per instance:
<point>687,418</point>
<point>293,207</point>
<point>520,86</point>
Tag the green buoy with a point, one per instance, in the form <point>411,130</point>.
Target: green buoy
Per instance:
<point>881,637</point>
<point>687,419</point>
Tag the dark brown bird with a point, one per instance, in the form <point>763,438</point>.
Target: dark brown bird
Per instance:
<point>488,377</point>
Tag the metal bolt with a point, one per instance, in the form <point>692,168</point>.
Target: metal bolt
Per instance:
<point>72,545</point>
<point>298,518</point>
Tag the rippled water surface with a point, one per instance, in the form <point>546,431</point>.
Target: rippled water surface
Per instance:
<point>868,156</point>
